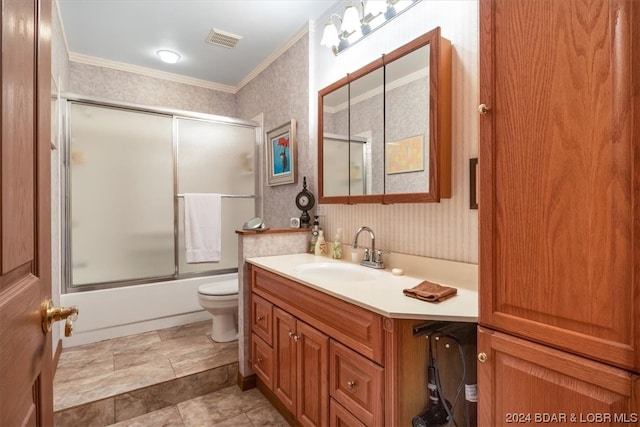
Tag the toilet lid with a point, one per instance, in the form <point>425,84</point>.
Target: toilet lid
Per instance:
<point>220,288</point>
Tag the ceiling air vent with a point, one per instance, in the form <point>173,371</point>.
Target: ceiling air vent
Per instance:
<point>223,38</point>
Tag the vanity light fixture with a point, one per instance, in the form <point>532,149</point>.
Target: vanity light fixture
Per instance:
<point>168,56</point>
<point>359,19</point>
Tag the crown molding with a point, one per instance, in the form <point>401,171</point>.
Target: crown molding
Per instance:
<point>121,66</point>
<point>271,58</point>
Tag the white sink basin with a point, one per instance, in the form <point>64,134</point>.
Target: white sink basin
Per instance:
<point>336,272</point>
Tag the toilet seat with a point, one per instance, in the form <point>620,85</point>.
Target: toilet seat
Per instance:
<point>229,287</point>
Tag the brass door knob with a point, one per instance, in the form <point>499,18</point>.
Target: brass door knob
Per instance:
<point>483,109</point>
<point>482,357</point>
<point>52,314</point>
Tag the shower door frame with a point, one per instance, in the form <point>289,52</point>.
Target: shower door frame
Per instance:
<point>175,114</point>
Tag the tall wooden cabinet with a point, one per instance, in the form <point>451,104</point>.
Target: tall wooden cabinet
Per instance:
<point>559,207</point>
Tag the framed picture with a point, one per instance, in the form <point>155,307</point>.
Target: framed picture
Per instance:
<point>405,155</point>
<point>280,154</point>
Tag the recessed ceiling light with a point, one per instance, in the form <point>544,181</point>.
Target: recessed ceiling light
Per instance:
<point>168,56</point>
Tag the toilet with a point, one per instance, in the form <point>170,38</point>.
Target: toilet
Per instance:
<point>221,300</point>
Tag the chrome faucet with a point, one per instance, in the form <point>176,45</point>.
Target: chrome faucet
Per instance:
<point>371,258</point>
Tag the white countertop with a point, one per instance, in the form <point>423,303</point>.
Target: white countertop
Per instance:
<point>382,292</point>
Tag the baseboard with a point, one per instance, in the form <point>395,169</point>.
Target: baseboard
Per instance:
<point>246,383</point>
<point>56,357</point>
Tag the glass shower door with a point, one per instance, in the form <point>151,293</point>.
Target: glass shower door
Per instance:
<point>120,166</point>
<point>217,158</point>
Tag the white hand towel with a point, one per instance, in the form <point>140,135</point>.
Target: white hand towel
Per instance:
<point>202,227</point>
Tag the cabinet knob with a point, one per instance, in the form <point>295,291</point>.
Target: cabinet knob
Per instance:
<point>291,334</point>
<point>482,357</point>
<point>259,360</point>
<point>351,385</point>
<point>260,318</point>
<point>483,109</point>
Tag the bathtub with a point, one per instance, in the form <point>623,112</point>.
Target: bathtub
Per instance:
<point>117,312</point>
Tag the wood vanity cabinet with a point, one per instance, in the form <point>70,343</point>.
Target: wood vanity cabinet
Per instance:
<point>330,362</point>
<point>559,207</point>
<point>301,368</point>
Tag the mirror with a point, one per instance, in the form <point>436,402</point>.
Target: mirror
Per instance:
<point>384,130</point>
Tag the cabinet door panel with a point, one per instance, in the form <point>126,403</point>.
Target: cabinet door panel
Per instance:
<point>560,174</point>
<point>262,360</point>
<point>313,376</point>
<point>262,318</point>
<point>522,381</point>
<point>284,381</point>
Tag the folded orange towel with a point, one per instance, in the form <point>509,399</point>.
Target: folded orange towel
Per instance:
<point>432,292</point>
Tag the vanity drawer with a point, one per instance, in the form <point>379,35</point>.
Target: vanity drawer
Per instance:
<point>262,360</point>
<point>357,384</point>
<point>340,417</point>
<point>360,329</point>
<point>262,318</point>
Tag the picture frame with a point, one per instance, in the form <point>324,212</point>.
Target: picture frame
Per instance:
<point>473,183</point>
<point>405,155</point>
<point>280,154</point>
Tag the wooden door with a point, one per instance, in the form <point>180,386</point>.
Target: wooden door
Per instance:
<point>312,376</point>
<point>26,395</point>
<point>525,383</point>
<point>560,174</point>
<point>284,380</point>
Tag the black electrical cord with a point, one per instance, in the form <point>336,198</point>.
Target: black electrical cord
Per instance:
<point>463,381</point>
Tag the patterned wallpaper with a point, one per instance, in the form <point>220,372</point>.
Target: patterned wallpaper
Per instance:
<point>281,92</point>
<point>91,80</point>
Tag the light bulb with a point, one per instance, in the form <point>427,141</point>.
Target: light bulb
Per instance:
<point>375,7</point>
<point>330,36</point>
<point>351,20</point>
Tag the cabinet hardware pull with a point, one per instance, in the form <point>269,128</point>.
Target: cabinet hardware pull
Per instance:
<point>296,338</point>
<point>291,335</point>
<point>482,357</point>
<point>260,318</point>
<point>483,109</point>
<point>351,385</point>
<point>259,360</point>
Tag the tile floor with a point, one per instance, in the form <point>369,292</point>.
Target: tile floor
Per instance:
<point>171,377</point>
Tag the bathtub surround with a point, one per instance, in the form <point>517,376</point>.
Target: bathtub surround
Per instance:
<point>118,312</point>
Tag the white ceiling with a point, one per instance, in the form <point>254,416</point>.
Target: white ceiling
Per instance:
<point>130,32</point>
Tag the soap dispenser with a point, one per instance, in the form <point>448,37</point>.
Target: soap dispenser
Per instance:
<point>315,231</point>
<point>337,245</point>
<point>321,245</point>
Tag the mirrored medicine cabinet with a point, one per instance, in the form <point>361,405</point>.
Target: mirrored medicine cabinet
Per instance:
<point>384,131</point>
